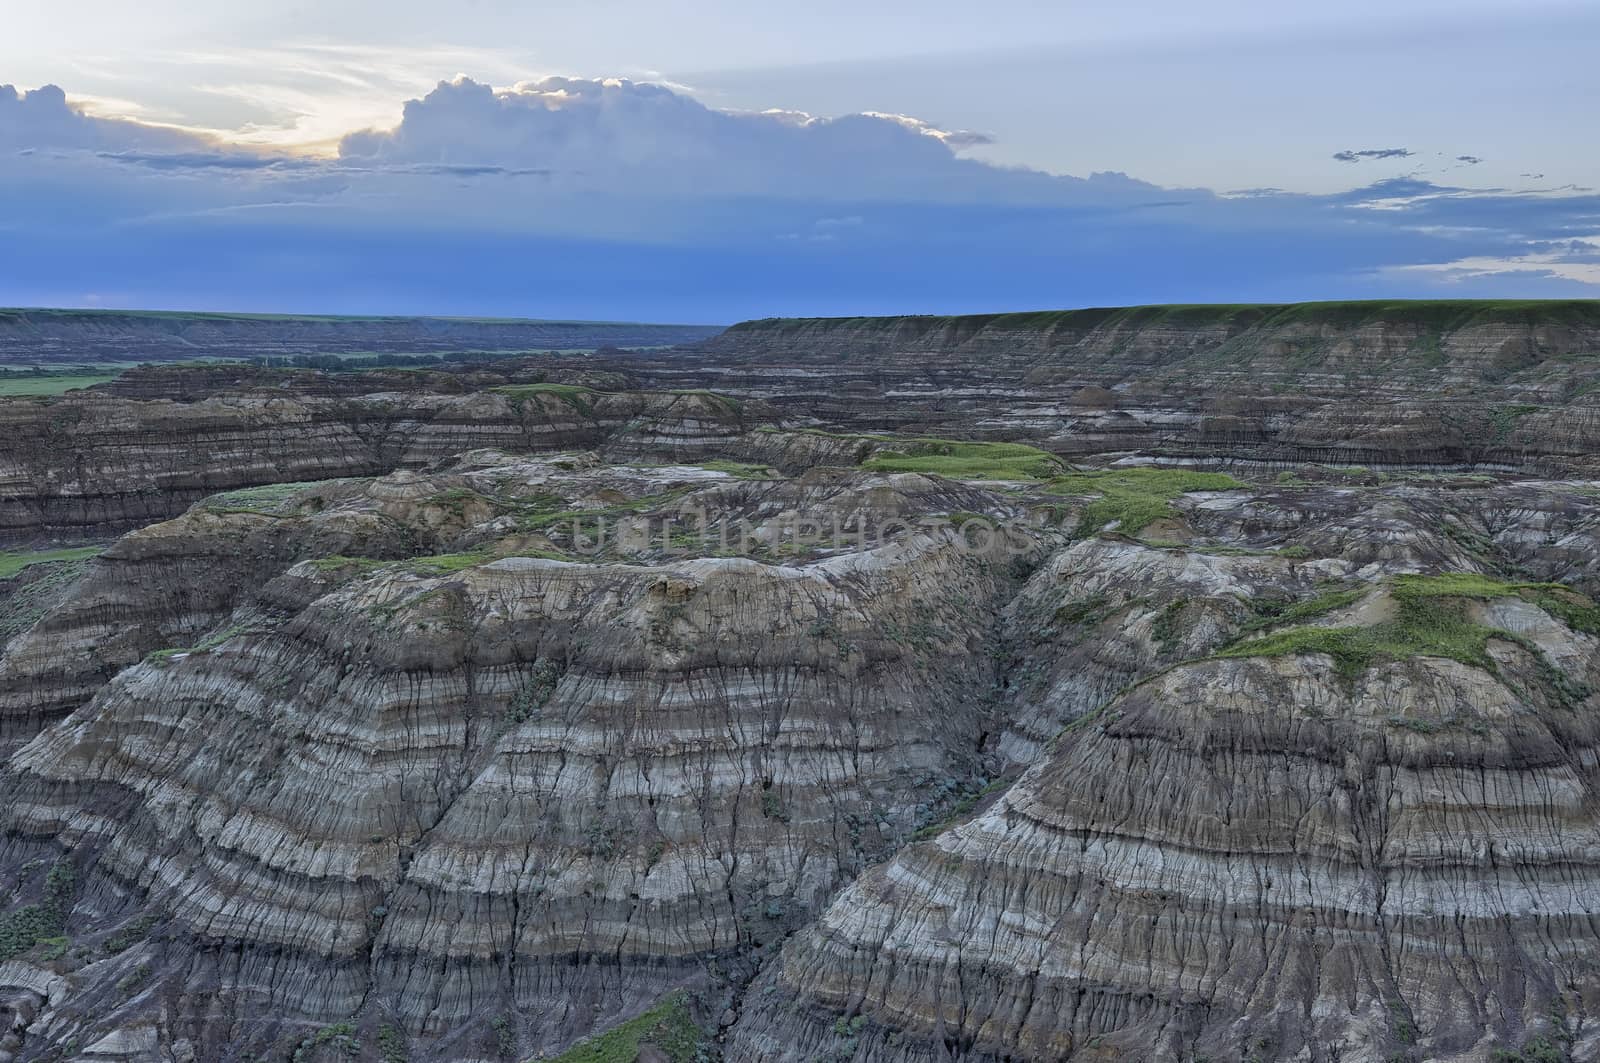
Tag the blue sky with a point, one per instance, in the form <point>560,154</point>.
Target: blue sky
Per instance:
<point>714,161</point>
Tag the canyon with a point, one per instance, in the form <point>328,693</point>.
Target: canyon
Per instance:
<point>1171,683</point>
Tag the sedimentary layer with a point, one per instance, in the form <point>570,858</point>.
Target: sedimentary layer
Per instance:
<point>1411,384</point>
<point>486,709</point>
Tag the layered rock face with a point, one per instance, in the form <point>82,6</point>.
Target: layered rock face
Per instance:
<point>89,463</point>
<point>468,788</point>
<point>1242,859</point>
<point>536,710</point>
<point>1444,384</point>
<point>1280,803</point>
<point>1452,385</point>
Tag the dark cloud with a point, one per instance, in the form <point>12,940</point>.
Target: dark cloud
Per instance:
<point>1470,160</point>
<point>1374,153</point>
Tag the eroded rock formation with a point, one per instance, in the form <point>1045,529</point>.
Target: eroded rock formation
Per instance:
<point>517,711</point>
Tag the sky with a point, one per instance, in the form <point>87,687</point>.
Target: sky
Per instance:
<point>714,161</point>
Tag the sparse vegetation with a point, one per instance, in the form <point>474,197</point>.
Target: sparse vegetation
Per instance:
<point>731,404</point>
<point>266,500</point>
<point>1131,499</point>
<point>447,564</point>
<point>26,600</point>
<point>534,694</point>
<point>1429,621</point>
<point>1273,612</point>
<point>457,499</point>
<point>962,808</point>
<point>958,460</point>
<point>130,935</point>
<point>576,396</point>
<point>1534,1050</point>
<point>1503,421</point>
<point>1085,612</point>
<point>392,1045</point>
<point>738,469</point>
<point>135,979</point>
<point>505,1037</point>
<point>340,1037</point>
<point>14,561</point>
<point>43,921</point>
<point>668,1026</point>
<point>13,383</point>
<point>1167,628</point>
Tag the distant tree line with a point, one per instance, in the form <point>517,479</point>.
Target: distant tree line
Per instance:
<point>336,363</point>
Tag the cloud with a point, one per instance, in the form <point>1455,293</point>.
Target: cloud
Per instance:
<point>1470,160</point>
<point>43,119</point>
<point>956,139</point>
<point>1374,153</point>
<point>618,134</point>
<point>611,198</point>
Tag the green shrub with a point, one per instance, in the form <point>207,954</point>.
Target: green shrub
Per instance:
<point>668,1026</point>
<point>392,1045</point>
<point>45,921</point>
<point>131,934</point>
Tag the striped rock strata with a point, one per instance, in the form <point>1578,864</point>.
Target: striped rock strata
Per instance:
<point>1246,858</point>
<point>527,788</point>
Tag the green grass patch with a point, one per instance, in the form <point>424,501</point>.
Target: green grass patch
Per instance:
<point>20,384</point>
<point>456,500</point>
<point>732,404</point>
<point>739,469</point>
<point>1575,610</point>
<point>14,561</point>
<point>267,500</point>
<point>577,396</point>
<point>959,460</point>
<point>1458,585</point>
<point>1131,499</point>
<point>539,514</point>
<point>1273,612</point>
<point>447,564</point>
<point>1568,606</point>
<point>668,1026</point>
<point>1430,621</point>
